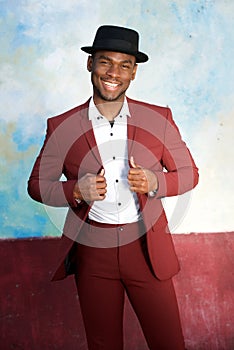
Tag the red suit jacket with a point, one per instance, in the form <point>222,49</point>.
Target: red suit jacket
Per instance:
<point>70,149</point>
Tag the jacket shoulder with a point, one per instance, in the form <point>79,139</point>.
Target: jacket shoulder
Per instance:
<point>156,108</point>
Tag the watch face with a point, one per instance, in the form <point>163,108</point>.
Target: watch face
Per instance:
<point>153,193</point>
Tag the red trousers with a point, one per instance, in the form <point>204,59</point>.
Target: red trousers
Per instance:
<point>103,277</point>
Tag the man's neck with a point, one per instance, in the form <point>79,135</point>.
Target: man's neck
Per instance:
<point>110,110</point>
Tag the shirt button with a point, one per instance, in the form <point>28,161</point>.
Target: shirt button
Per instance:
<point>111,134</point>
<point>121,228</point>
<point>116,180</point>
<point>114,157</point>
<point>119,204</point>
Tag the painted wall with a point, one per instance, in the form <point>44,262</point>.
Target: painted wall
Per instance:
<point>38,314</point>
<point>43,73</point>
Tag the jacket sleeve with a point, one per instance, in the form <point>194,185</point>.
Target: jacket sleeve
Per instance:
<point>44,184</point>
<point>180,172</point>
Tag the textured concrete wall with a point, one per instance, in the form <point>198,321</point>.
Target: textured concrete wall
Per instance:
<point>37,314</point>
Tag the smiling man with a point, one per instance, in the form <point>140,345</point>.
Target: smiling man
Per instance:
<point>119,157</point>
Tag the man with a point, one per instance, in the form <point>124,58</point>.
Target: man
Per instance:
<point>120,157</point>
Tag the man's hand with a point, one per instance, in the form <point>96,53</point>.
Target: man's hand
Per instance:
<point>141,180</point>
<point>91,187</point>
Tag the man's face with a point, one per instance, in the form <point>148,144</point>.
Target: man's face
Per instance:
<point>111,74</point>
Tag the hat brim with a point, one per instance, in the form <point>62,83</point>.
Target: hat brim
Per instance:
<point>140,56</point>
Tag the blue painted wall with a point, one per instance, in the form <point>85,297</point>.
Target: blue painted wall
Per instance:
<point>43,73</point>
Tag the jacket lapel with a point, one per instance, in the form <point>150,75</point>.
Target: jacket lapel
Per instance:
<point>86,126</point>
<point>132,129</point>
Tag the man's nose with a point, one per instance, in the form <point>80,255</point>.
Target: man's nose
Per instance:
<point>113,70</point>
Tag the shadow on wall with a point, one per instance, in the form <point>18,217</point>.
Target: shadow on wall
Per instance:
<point>38,314</point>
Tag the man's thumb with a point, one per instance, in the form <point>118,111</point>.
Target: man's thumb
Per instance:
<point>132,162</point>
<point>102,172</point>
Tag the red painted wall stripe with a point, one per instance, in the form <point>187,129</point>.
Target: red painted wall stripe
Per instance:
<point>37,314</point>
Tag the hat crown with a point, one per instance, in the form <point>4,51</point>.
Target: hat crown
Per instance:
<point>120,39</point>
<point>112,33</point>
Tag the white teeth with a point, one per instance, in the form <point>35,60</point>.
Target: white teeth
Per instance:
<point>110,84</point>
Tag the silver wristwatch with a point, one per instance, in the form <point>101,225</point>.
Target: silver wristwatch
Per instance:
<point>153,193</point>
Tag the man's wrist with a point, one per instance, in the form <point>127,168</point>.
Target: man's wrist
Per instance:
<point>153,193</point>
<point>78,200</point>
<point>77,195</point>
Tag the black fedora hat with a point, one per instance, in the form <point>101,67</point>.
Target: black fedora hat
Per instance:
<point>119,39</point>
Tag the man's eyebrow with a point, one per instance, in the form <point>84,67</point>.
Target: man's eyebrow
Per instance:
<point>104,57</point>
<point>128,61</point>
<point>101,57</point>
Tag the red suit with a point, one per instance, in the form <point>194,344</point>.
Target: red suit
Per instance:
<point>70,149</point>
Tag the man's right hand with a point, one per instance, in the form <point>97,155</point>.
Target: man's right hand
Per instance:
<point>91,187</point>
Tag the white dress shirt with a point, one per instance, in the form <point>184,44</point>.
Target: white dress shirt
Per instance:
<point>120,205</point>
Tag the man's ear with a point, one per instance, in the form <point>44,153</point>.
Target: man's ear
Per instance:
<point>134,72</point>
<point>90,63</point>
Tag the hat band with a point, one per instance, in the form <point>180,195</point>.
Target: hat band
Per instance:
<point>114,44</point>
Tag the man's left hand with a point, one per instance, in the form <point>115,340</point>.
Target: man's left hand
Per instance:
<point>141,180</point>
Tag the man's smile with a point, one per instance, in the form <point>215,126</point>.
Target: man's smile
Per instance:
<point>110,85</point>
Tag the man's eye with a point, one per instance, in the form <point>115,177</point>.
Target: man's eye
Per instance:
<point>125,66</point>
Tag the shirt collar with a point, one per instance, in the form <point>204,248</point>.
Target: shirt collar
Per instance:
<point>95,115</point>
